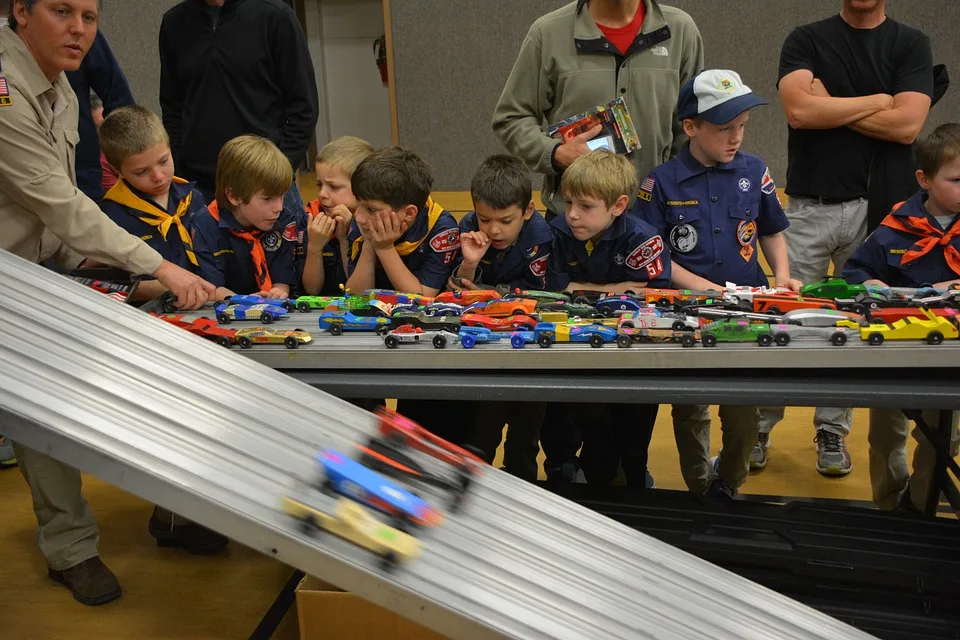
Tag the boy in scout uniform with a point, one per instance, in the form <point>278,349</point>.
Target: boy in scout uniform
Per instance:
<point>148,200</point>
<point>400,239</point>
<point>716,207</point>
<point>245,240</point>
<point>39,201</point>
<point>596,247</point>
<point>917,244</point>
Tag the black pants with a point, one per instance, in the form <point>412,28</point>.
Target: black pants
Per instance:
<point>448,419</point>
<point>522,444</point>
<point>611,435</point>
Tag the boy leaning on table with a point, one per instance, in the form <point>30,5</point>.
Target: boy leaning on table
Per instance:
<point>917,244</point>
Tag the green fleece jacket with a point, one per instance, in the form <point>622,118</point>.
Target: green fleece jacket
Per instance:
<point>566,66</point>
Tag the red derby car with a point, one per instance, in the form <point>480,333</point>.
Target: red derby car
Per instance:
<point>512,323</point>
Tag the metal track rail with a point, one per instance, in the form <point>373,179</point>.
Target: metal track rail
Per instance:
<point>219,438</point>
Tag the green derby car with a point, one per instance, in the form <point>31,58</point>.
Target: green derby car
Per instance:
<point>736,330</point>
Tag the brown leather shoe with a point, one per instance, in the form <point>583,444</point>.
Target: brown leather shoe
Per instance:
<point>90,582</point>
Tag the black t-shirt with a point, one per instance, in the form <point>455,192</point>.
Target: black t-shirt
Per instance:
<point>890,58</point>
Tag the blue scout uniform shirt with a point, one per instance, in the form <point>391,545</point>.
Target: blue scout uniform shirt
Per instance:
<point>889,254</point>
<point>165,231</point>
<point>429,248</point>
<point>629,251</point>
<point>712,217</point>
<point>226,261</point>
<point>523,264</point>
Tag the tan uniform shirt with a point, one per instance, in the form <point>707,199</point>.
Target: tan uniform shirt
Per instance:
<point>41,208</point>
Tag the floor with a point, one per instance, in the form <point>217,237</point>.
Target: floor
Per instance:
<point>168,594</point>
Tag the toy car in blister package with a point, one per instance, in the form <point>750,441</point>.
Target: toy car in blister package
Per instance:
<point>114,283</point>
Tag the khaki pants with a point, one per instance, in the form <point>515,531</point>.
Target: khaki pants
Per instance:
<point>818,235</point>
<point>691,428</point>
<point>889,475</point>
<point>68,533</point>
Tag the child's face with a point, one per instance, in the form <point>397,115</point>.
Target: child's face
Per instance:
<point>261,212</point>
<point>149,172</point>
<point>367,209</point>
<point>717,143</point>
<point>589,217</point>
<point>333,188</point>
<point>502,226</point>
<point>944,187</point>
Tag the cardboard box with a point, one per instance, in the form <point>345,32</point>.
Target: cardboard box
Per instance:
<point>326,612</point>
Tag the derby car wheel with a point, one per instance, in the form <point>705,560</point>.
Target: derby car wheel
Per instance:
<point>581,300</point>
<point>309,525</point>
<point>709,340</point>
<point>439,342</point>
<point>687,340</point>
<point>764,339</point>
<point>544,341</point>
<point>391,342</point>
<point>336,329</point>
<point>266,318</point>
<point>875,338</point>
<point>624,341</point>
<point>877,321</point>
<point>467,341</point>
<point>596,341</point>
<point>839,338</point>
<point>304,307</point>
<point>606,311</point>
<point>382,329</point>
<point>664,302</point>
<point>290,342</point>
<point>774,311</point>
<point>517,342</point>
<point>224,341</point>
<point>679,325</point>
<point>244,342</point>
<point>782,339</point>
<point>934,337</point>
<point>223,318</point>
<point>289,306</point>
<point>858,309</point>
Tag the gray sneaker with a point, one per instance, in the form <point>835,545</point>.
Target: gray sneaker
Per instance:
<point>758,457</point>
<point>833,459</point>
<point>8,459</point>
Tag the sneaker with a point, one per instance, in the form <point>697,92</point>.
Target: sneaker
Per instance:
<point>8,459</point>
<point>650,483</point>
<point>833,459</point>
<point>90,582</point>
<point>720,491</point>
<point>567,473</point>
<point>758,457</point>
<point>906,505</point>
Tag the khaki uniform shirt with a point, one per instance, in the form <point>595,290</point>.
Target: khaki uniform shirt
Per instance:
<point>42,213</point>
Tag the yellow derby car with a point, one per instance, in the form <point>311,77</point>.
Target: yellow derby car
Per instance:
<point>290,338</point>
<point>934,329</point>
<point>354,523</point>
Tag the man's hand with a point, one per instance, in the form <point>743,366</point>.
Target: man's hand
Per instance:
<point>790,283</point>
<point>342,216</point>
<point>575,147</point>
<point>948,285</point>
<point>320,230</point>
<point>385,229</point>
<point>473,246</point>
<point>190,290</point>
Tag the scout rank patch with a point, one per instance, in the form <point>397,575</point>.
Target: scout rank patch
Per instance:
<point>5,99</point>
<point>646,189</point>
<point>746,232</point>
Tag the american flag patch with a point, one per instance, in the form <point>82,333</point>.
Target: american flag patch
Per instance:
<point>647,184</point>
<point>116,295</point>
<point>5,100</point>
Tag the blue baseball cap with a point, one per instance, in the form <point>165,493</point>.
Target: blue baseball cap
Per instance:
<point>716,95</point>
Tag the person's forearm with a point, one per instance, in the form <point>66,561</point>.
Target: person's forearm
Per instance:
<point>775,251</point>
<point>613,287</point>
<point>892,125</point>
<point>467,271</point>
<point>344,255</point>
<point>364,273</point>
<point>818,112</point>
<point>313,275</point>
<point>683,279</point>
<point>400,276</point>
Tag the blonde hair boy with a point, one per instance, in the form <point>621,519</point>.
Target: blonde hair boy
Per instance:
<point>248,165</point>
<point>600,174</point>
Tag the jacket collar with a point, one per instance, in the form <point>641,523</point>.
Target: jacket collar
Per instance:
<point>26,64</point>
<point>589,39</point>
